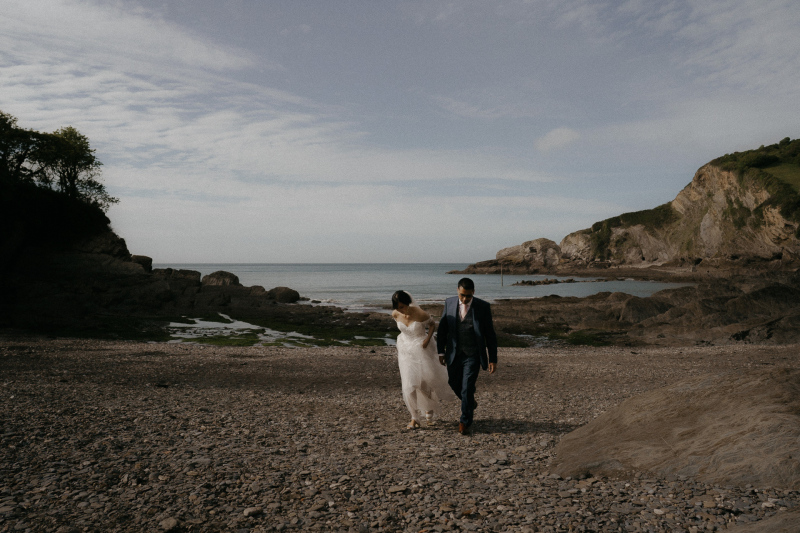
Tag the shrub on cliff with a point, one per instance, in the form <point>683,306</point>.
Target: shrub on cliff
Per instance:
<point>785,152</point>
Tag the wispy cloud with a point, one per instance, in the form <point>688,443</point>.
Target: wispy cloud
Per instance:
<point>109,36</point>
<point>284,140</point>
<point>556,139</point>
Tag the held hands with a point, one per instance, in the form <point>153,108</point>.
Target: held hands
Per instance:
<point>441,360</point>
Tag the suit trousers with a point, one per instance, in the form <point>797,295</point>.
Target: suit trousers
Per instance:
<point>462,374</point>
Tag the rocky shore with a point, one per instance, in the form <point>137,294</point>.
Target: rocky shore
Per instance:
<point>132,436</point>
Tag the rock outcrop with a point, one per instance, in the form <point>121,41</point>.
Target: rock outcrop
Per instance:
<point>146,262</point>
<point>719,216</point>
<point>221,278</point>
<point>718,312</point>
<point>740,212</point>
<point>97,280</point>
<point>543,252</point>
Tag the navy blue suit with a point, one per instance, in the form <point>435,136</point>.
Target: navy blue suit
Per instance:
<point>463,368</point>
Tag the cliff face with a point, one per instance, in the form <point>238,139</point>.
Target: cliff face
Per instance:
<point>724,219</point>
<point>63,268</point>
<point>720,216</point>
<point>724,216</point>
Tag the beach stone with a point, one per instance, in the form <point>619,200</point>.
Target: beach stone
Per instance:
<point>169,524</point>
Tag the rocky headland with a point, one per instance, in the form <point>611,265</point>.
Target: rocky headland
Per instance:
<point>733,234</point>
<point>739,215</point>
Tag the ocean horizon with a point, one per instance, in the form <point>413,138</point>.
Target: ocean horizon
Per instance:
<point>369,286</point>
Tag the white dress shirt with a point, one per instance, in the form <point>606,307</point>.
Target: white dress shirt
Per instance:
<point>463,308</point>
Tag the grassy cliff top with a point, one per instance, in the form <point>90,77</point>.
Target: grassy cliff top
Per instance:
<point>775,167</point>
<point>780,161</point>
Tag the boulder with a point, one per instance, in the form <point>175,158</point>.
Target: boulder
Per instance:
<point>177,274</point>
<point>258,290</point>
<point>283,295</point>
<point>105,243</point>
<point>728,429</point>
<point>146,262</point>
<point>221,278</point>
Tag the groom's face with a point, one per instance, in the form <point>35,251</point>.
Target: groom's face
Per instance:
<point>464,295</point>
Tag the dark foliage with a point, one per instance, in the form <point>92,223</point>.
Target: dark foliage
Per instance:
<point>63,161</point>
<point>785,152</point>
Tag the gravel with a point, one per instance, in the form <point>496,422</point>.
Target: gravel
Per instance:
<point>127,436</point>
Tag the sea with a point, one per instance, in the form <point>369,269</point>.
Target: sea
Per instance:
<point>369,286</point>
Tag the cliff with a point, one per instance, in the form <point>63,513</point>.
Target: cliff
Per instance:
<point>740,211</point>
<point>62,268</point>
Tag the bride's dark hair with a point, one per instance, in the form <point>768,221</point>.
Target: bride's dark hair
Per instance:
<point>400,297</point>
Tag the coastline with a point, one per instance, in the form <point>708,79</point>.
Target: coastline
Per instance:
<point>368,287</point>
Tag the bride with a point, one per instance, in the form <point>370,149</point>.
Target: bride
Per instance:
<point>424,378</point>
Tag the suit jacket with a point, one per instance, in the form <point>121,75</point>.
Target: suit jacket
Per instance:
<point>447,333</point>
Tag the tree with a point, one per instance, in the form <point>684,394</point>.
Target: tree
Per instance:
<point>62,160</point>
<point>19,151</point>
<point>72,168</point>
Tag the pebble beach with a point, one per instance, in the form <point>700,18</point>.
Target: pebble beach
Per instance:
<point>132,436</point>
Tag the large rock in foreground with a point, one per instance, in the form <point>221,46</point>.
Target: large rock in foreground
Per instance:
<point>726,429</point>
<point>786,522</point>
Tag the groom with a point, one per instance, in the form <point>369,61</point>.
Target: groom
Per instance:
<point>466,341</point>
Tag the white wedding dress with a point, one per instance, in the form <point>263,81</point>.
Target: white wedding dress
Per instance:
<point>424,378</point>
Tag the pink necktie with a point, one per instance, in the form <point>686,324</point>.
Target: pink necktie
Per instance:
<point>463,311</point>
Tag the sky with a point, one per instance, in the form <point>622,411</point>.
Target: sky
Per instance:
<point>288,131</point>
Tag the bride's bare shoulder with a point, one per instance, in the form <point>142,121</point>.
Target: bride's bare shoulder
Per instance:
<point>420,315</point>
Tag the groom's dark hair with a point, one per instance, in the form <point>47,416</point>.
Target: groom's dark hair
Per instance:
<point>466,284</point>
<point>400,297</point>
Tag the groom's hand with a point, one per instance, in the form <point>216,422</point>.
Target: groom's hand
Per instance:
<point>441,360</point>
<point>492,368</point>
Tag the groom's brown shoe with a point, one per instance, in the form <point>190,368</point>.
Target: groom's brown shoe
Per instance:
<point>464,429</point>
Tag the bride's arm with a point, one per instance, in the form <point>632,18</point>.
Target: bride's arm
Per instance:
<point>426,319</point>
<point>431,330</point>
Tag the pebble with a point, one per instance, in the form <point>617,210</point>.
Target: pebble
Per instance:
<point>296,441</point>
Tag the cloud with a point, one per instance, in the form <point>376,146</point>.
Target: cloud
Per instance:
<point>191,127</point>
<point>109,36</point>
<point>557,139</point>
<point>251,154</point>
<point>282,223</point>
